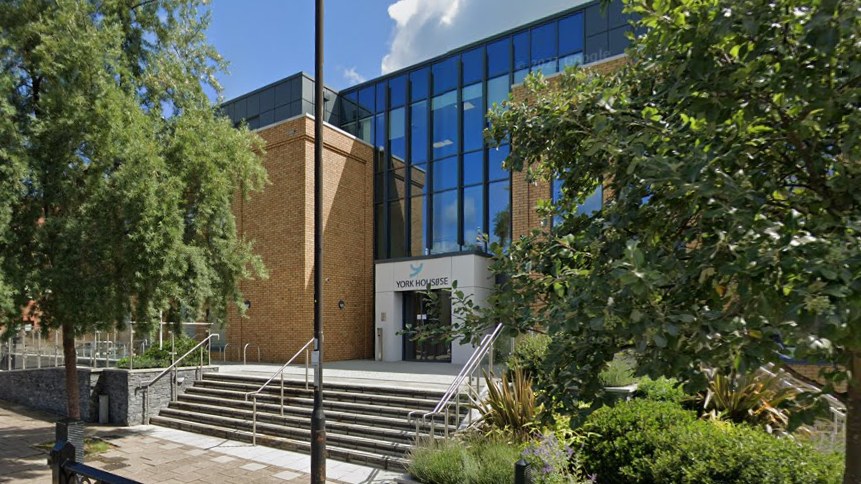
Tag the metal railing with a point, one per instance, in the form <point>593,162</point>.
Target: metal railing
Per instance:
<point>280,372</point>
<point>245,352</point>
<point>443,408</point>
<point>172,370</point>
<point>66,470</point>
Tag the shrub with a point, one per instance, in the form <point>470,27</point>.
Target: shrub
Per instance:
<point>439,462</point>
<point>755,399</point>
<point>494,462</point>
<point>553,461</point>
<point>155,357</point>
<point>619,371</point>
<point>509,406</point>
<point>143,361</point>
<point>643,441</point>
<point>528,355</point>
<point>661,390</point>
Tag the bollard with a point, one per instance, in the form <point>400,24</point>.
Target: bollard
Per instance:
<point>522,472</point>
<point>72,431</point>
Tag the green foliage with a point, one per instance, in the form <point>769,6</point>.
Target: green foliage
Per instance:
<point>528,355</point>
<point>619,372</point>
<point>553,460</point>
<point>643,441</point>
<point>485,461</point>
<point>155,357</point>
<point>755,399</point>
<point>142,361</point>
<point>509,407</point>
<point>661,390</point>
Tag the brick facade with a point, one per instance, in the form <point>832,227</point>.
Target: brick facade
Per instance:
<point>281,222</point>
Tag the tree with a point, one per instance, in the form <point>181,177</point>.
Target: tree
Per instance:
<point>118,201</point>
<point>730,145</point>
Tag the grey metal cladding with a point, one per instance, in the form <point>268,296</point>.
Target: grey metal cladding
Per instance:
<point>281,113</point>
<point>267,117</point>
<point>595,20</point>
<point>295,109</point>
<point>267,99</point>
<point>282,93</point>
<point>597,48</point>
<point>618,41</point>
<point>307,107</point>
<point>296,88</point>
<point>307,89</point>
<point>616,17</point>
<point>240,112</point>
<point>252,105</point>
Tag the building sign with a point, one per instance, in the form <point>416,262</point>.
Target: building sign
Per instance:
<point>418,275</point>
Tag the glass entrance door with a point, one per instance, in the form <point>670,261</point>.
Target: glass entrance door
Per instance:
<point>419,314</point>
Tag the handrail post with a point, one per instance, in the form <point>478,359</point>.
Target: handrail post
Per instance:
<point>446,422</point>
<point>254,422</point>
<point>282,392</point>
<point>307,364</point>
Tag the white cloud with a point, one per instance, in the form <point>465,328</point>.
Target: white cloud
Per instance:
<point>352,76</point>
<point>426,28</point>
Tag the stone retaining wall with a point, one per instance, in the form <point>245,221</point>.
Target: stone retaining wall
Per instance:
<point>45,389</point>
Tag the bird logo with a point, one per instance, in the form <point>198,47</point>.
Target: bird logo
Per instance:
<point>416,269</point>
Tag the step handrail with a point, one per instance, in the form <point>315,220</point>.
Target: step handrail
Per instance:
<point>172,369</point>
<point>280,371</point>
<point>468,369</point>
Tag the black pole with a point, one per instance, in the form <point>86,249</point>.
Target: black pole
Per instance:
<point>318,418</point>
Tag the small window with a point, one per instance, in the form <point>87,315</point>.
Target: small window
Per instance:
<point>419,81</point>
<point>445,75</point>
<point>571,34</point>
<point>499,57</point>
<point>473,63</point>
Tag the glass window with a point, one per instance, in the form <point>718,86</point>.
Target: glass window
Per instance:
<point>445,75</point>
<point>365,130</point>
<point>571,34</point>
<point>520,75</point>
<point>473,63</point>
<point>473,118</point>
<point>546,68</point>
<point>590,205</point>
<point>521,50</point>
<point>380,130</point>
<point>397,134</point>
<point>495,157</point>
<point>396,183</point>
<point>418,226</point>
<point>381,96</point>
<point>351,128</point>
<point>570,60</point>
<point>497,90</point>
<point>473,217</point>
<point>544,43</point>
<point>418,180</point>
<point>378,187</point>
<point>366,102</point>
<point>347,107</point>
<point>444,222</point>
<point>397,228</point>
<point>498,57</point>
<point>445,174</point>
<point>444,121</point>
<point>419,132</point>
<point>419,81</point>
<point>398,91</point>
<point>473,168</point>
<point>499,203</point>
<point>380,238</point>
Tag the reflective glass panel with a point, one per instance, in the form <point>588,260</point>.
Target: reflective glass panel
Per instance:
<point>398,91</point>
<point>521,50</point>
<point>418,122</point>
<point>570,60</point>
<point>473,118</point>
<point>380,130</point>
<point>444,120</point>
<point>419,80</point>
<point>381,96</point>
<point>473,168</point>
<point>419,180</point>
<point>445,174</point>
<point>444,222</point>
<point>571,34</point>
<point>378,187</point>
<point>473,63</point>
<point>499,204</point>
<point>351,128</point>
<point>366,102</point>
<point>495,157</point>
<point>544,43</point>
<point>497,90</point>
<point>498,57</point>
<point>445,75</point>
<point>546,68</point>
<point>473,217</point>
<point>520,75</point>
<point>365,130</point>
<point>418,226</point>
<point>397,228</point>
<point>396,183</point>
<point>593,202</point>
<point>397,134</point>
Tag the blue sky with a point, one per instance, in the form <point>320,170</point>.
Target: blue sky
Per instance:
<point>267,40</point>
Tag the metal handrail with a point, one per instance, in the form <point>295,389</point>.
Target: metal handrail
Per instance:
<point>467,371</point>
<point>172,369</point>
<point>245,351</point>
<point>281,372</point>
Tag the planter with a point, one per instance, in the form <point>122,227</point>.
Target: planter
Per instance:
<point>621,394</point>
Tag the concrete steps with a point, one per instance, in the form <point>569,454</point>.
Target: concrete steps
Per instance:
<point>364,424</point>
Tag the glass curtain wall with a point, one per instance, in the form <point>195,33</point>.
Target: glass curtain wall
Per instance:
<point>438,186</point>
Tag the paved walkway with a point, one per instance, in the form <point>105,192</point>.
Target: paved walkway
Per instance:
<point>156,455</point>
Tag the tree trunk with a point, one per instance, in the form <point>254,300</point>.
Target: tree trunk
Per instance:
<point>852,472</point>
<point>73,398</point>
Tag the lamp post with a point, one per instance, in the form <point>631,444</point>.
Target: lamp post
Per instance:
<point>318,418</point>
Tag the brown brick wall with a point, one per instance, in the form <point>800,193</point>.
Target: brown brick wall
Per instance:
<point>281,222</point>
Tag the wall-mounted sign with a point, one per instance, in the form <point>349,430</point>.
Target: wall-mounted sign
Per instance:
<point>421,274</point>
